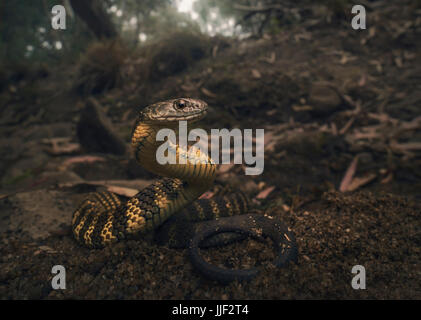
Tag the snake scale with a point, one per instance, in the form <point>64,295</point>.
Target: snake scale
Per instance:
<point>171,207</point>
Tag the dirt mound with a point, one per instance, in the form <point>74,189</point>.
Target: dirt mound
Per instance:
<point>333,234</point>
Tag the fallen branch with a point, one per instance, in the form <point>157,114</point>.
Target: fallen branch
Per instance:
<point>347,126</point>
<point>81,159</point>
<point>60,146</point>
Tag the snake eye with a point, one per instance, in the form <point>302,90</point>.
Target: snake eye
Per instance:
<point>180,104</point>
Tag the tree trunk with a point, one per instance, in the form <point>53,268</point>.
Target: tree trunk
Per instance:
<point>96,18</point>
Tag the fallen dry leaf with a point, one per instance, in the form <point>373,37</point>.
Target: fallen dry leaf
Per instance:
<point>271,112</point>
<point>387,179</point>
<point>349,174</point>
<point>137,184</point>
<point>360,181</point>
<point>207,195</point>
<point>398,62</point>
<point>298,108</point>
<point>208,93</point>
<point>363,80</point>
<point>302,36</point>
<point>81,159</point>
<point>122,191</point>
<point>271,59</point>
<point>66,149</point>
<point>264,193</point>
<point>306,258</point>
<point>347,126</point>
<point>270,140</point>
<point>61,145</point>
<point>256,74</point>
<point>381,117</point>
<point>403,147</point>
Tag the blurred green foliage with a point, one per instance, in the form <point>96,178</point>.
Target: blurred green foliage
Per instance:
<point>253,21</point>
<point>26,33</point>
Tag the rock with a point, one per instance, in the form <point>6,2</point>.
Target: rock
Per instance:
<point>95,131</point>
<point>23,169</point>
<point>11,148</point>
<point>324,99</point>
<point>47,249</point>
<point>38,213</point>
<point>59,177</point>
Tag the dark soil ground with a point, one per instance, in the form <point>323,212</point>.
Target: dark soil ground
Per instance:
<point>341,113</point>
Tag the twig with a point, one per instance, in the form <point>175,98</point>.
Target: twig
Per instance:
<point>347,126</point>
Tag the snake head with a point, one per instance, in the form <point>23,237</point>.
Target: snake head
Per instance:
<point>174,110</point>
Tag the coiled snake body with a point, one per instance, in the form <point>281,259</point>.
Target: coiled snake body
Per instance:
<point>103,218</point>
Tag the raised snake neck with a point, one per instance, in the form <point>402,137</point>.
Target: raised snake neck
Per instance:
<point>97,223</point>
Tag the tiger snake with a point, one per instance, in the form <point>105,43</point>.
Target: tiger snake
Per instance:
<point>170,206</point>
